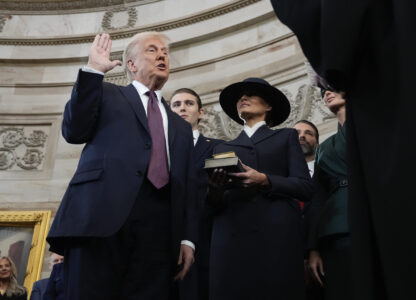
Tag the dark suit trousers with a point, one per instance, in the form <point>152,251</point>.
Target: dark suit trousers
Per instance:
<point>135,263</point>
<point>336,257</point>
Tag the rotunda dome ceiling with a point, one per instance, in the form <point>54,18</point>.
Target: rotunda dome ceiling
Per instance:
<point>55,6</point>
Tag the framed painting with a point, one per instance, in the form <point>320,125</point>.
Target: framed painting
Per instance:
<point>23,239</point>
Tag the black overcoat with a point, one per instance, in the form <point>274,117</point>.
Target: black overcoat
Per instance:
<point>256,246</point>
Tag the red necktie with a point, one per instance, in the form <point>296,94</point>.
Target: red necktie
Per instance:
<point>157,172</point>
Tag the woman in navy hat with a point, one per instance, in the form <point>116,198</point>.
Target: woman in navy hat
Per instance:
<point>256,250</point>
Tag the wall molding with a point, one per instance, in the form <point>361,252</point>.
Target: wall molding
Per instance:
<point>120,78</point>
<point>66,6</point>
<point>127,33</point>
<point>119,54</point>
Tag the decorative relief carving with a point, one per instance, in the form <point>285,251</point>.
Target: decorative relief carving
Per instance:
<point>11,137</point>
<point>306,105</point>
<point>7,159</point>
<point>108,22</point>
<point>31,160</point>
<point>3,19</point>
<point>36,139</point>
<point>217,124</point>
<point>22,147</point>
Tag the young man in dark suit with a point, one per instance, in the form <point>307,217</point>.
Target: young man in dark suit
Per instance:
<point>129,211</point>
<point>187,104</point>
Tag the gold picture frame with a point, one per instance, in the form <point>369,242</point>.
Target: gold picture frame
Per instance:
<point>35,223</point>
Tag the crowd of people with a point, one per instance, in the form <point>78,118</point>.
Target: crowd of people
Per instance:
<point>176,230</point>
<point>300,220</point>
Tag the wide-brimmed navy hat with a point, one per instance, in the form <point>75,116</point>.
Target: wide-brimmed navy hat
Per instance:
<point>258,87</point>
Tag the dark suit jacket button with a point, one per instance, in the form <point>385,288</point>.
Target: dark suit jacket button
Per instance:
<point>147,146</point>
<point>139,173</point>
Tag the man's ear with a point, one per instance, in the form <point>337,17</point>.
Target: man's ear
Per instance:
<point>201,113</point>
<point>131,66</point>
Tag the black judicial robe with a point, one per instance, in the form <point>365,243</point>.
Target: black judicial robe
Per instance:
<point>256,245</point>
<point>367,48</point>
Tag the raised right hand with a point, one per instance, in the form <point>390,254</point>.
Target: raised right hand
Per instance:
<point>99,54</point>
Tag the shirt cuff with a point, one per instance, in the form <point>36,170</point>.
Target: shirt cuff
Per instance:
<point>91,70</point>
<point>188,243</point>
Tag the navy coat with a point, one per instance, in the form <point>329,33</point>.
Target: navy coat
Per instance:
<point>111,120</point>
<point>195,284</point>
<point>203,150</point>
<point>38,289</point>
<point>256,246</point>
<point>55,286</point>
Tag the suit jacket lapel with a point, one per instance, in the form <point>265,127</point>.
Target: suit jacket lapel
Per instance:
<point>133,98</point>
<point>242,140</point>
<point>262,133</point>
<point>201,147</point>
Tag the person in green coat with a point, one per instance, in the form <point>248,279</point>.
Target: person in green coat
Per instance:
<point>329,238</point>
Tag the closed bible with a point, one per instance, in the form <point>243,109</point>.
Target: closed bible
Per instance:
<point>227,161</point>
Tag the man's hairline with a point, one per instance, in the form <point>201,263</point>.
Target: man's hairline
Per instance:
<point>313,129</point>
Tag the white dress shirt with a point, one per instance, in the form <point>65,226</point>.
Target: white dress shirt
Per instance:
<point>196,135</point>
<point>142,90</point>
<point>251,130</point>
<point>311,167</point>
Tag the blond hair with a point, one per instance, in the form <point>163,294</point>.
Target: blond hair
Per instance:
<point>131,50</point>
<point>13,288</point>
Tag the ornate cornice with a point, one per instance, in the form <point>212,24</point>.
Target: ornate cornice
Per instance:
<point>64,6</point>
<point>119,54</point>
<point>127,33</point>
<point>120,78</point>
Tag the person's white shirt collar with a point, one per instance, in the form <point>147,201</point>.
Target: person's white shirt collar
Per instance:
<point>142,90</point>
<point>251,130</point>
<point>196,135</point>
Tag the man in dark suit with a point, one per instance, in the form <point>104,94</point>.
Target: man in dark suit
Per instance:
<point>187,103</point>
<point>39,287</point>
<point>129,211</point>
<point>55,286</point>
<point>309,141</point>
<point>367,49</point>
